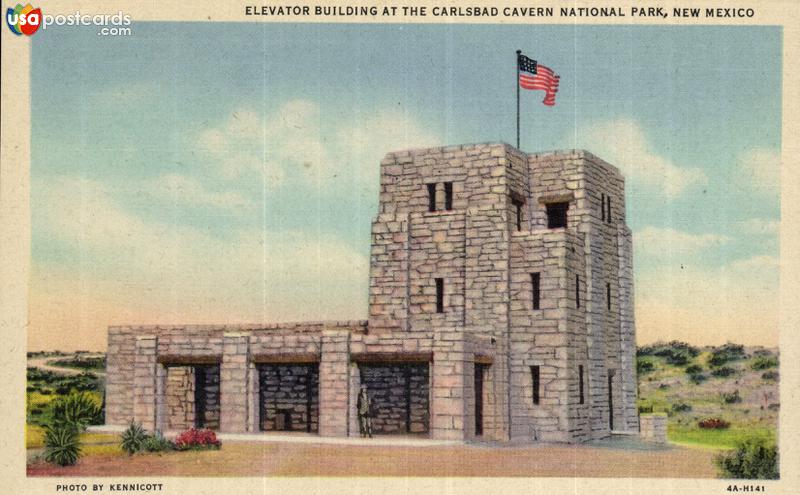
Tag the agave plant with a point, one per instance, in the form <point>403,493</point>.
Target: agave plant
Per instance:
<point>78,409</point>
<point>133,438</point>
<point>61,444</point>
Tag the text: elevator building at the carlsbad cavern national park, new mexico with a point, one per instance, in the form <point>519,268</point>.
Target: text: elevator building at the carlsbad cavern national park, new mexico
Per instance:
<point>500,307</point>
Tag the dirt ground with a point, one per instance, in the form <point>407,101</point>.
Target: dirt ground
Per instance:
<point>296,459</point>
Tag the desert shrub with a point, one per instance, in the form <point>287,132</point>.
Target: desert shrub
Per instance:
<point>79,409</point>
<point>726,353</point>
<point>769,375</point>
<point>763,363</point>
<point>133,438</point>
<point>644,366</point>
<point>647,408</point>
<point>85,363</point>
<point>663,386</point>
<point>723,371</point>
<point>61,444</point>
<point>731,397</point>
<point>194,439</point>
<point>763,352</point>
<point>697,378</point>
<point>774,406</point>
<point>157,443</point>
<point>694,369</point>
<point>713,424</point>
<point>675,352</point>
<point>681,407</point>
<point>753,458</point>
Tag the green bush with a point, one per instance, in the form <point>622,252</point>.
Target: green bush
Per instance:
<point>764,362</point>
<point>770,375</point>
<point>61,444</point>
<point>675,352</point>
<point>157,443</point>
<point>694,369</point>
<point>731,397</point>
<point>78,409</point>
<point>644,366</point>
<point>681,407</point>
<point>725,353</point>
<point>753,458</point>
<point>697,378</point>
<point>133,438</point>
<point>723,371</point>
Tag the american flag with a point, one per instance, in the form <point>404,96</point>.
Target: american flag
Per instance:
<point>533,75</point>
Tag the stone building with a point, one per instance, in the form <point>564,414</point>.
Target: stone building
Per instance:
<point>500,307</point>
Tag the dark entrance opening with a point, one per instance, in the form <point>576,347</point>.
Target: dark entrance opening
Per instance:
<point>288,397</point>
<point>206,396</point>
<point>610,401</point>
<point>480,370</point>
<point>399,396</point>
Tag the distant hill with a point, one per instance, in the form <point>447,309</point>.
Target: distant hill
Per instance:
<point>732,383</point>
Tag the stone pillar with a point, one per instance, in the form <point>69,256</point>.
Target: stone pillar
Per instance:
<point>234,383</point>
<point>144,381</point>
<point>452,397</point>
<point>355,388</point>
<point>654,428</point>
<point>334,380</point>
<point>161,398</point>
<point>253,419</point>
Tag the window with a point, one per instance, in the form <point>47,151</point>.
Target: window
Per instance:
<point>608,296</point>
<point>603,207</point>
<point>557,215</point>
<point>448,196</point>
<point>608,213</point>
<point>440,295</point>
<point>431,197</point>
<point>578,291</point>
<point>518,206</point>
<point>535,289</point>
<point>535,383</point>
<point>580,383</point>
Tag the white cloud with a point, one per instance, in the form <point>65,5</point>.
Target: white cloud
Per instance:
<point>655,241</point>
<point>760,169</point>
<point>624,143</point>
<point>189,191</point>
<point>760,226</point>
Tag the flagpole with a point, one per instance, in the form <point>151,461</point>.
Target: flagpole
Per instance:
<point>519,52</point>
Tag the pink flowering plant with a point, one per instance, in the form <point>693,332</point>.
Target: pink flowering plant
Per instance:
<point>194,439</point>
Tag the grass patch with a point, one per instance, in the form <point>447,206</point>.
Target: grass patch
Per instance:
<point>719,439</point>
<point>34,436</point>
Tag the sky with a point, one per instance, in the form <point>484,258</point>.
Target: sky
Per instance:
<point>224,172</point>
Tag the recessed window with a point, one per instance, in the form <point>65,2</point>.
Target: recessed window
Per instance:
<point>448,196</point>
<point>608,296</point>
<point>440,295</point>
<point>536,383</point>
<point>603,207</point>
<point>608,213</point>
<point>518,209</point>
<point>557,215</point>
<point>431,197</point>
<point>580,383</point>
<point>535,289</point>
<point>577,291</point>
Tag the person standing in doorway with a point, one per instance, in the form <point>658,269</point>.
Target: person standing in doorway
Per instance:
<point>364,406</point>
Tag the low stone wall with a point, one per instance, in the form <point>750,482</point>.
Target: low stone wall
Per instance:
<point>653,428</point>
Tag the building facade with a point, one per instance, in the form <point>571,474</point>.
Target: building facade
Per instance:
<point>500,307</point>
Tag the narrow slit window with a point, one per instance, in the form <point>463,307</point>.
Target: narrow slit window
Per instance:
<point>440,295</point>
<point>577,291</point>
<point>557,215</point>
<point>603,207</point>
<point>580,383</point>
<point>431,197</point>
<point>448,196</point>
<point>536,295</point>
<point>608,213</point>
<point>608,296</point>
<point>535,383</point>
<point>518,207</point>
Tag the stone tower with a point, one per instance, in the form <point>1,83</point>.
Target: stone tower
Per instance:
<point>500,307</point>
